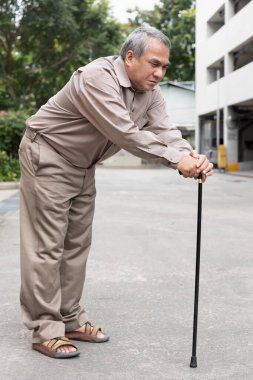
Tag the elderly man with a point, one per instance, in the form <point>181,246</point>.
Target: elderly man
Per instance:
<point>111,103</point>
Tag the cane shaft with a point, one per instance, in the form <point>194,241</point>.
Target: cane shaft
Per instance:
<point>197,271</point>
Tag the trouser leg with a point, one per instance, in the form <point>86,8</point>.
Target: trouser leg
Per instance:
<point>76,249</point>
<point>48,183</point>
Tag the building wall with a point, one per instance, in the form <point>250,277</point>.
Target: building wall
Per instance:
<point>180,106</point>
<point>224,47</point>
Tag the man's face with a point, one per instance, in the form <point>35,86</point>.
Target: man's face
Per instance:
<point>149,69</point>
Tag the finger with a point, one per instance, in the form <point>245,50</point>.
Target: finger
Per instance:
<point>203,178</point>
<point>194,154</point>
<point>208,174</point>
<point>201,161</point>
<point>189,174</point>
<point>209,168</point>
<point>204,166</point>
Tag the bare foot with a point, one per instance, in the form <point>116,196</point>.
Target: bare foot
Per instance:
<point>62,349</point>
<point>99,333</point>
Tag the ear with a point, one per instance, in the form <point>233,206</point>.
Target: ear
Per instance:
<point>129,58</point>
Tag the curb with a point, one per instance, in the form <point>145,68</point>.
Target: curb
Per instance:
<point>9,185</point>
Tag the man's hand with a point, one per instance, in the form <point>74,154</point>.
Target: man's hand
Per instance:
<point>188,166</point>
<point>204,166</point>
<point>194,164</point>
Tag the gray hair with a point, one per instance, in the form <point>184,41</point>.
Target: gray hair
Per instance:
<point>137,41</point>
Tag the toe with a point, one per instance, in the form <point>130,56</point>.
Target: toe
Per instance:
<point>100,334</point>
<point>66,349</point>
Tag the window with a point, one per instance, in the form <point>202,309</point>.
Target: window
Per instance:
<point>215,71</point>
<point>237,5</point>
<point>216,21</point>
<point>242,55</point>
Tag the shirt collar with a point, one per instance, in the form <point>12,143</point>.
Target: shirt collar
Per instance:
<point>121,72</point>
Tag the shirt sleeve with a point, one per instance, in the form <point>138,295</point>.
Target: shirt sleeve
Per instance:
<point>100,101</point>
<point>160,124</point>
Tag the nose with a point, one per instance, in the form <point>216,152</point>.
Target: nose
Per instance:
<point>159,73</point>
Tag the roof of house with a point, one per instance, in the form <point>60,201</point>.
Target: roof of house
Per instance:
<point>184,85</point>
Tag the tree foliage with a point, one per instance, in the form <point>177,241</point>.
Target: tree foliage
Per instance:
<point>12,126</point>
<point>43,41</point>
<point>176,19</point>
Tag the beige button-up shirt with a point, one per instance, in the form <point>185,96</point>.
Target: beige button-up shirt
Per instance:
<point>97,113</point>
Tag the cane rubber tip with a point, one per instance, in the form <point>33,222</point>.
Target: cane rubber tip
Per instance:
<point>193,362</point>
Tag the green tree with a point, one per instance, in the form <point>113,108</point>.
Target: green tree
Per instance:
<point>176,19</point>
<point>44,41</point>
<point>9,33</point>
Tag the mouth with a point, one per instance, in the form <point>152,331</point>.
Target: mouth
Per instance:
<point>153,83</point>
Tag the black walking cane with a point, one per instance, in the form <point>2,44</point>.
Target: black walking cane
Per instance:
<point>193,363</point>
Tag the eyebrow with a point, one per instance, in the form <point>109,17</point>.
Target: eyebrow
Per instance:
<point>157,62</point>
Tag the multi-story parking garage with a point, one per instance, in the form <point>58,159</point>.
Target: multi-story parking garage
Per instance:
<point>224,80</point>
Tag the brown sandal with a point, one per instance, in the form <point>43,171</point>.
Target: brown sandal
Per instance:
<point>51,348</point>
<point>89,334</point>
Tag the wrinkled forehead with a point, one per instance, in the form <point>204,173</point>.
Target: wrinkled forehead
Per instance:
<point>156,49</point>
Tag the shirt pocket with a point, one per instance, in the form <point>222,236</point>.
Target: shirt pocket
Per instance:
<point>29,156</point>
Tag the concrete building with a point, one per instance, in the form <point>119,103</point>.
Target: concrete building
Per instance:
<point>224,80</point>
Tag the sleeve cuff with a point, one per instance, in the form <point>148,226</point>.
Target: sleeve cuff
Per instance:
<point>173,156</point>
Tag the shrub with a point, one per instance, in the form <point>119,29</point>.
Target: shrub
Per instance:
<point>12,126</point>
<point>9,168</point>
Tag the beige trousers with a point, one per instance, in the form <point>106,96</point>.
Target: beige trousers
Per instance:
<point>56,212</point>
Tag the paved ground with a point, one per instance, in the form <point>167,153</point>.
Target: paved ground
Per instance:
<point>140,282</point>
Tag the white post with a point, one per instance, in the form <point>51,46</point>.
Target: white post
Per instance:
<point>218,112</point>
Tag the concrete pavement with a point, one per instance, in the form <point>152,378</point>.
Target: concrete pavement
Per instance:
<point>5,194</point>
<point>140,283</point>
